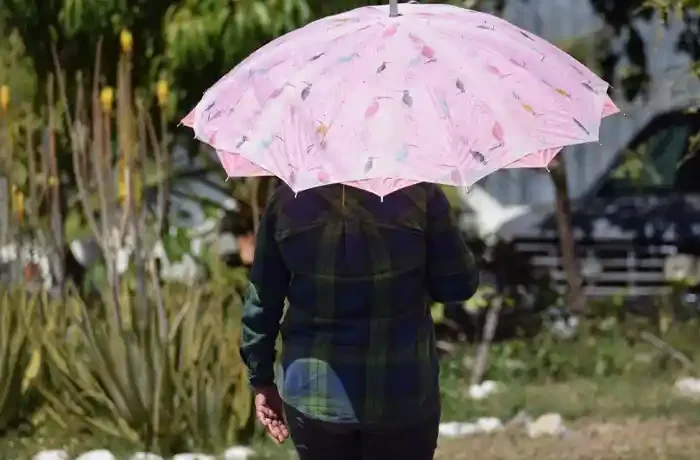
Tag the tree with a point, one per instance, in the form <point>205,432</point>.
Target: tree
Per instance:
<point>621,18</point>
<point>193,42</point>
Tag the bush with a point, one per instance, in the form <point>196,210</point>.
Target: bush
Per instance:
<point>19,360</point>
<point>171,383</point>
<point>611,345</point>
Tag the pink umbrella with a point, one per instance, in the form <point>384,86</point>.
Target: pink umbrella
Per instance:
<point>379,101</point>
<point>542,158</point>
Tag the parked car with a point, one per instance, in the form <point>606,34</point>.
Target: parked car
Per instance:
<point>636,223</point>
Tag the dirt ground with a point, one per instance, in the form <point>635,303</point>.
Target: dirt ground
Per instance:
<point>623,439</point>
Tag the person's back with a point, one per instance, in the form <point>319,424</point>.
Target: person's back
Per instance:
<point>358,272</point>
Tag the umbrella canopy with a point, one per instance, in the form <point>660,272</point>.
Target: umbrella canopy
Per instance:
<point>380,100</point>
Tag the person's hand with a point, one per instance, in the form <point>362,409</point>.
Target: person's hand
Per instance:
<point>269,412</point>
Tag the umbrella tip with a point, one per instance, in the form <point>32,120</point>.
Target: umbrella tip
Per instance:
<point>393,8</point>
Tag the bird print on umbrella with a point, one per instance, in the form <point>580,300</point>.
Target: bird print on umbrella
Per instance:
<point>390,31</point>
<point>563,92</point>
<point>497,72</point>
<point>372,109</point>
<point>348,58</point>
<point>243,140</point>
<point>527,107</point>
<point>321,174</point>
<point>497,132</point>
<point>407,99</point>
<point>444,106</point>
<point>467,156</point>
<point>589,87</point>
<point>292,177</point>
<point>278,91</point>
<point>306,91</point>
<point>374,106</point>
<point>322,131</point>
<point>316,57</point>
<point>486,27</point>
<point>369,165</point>
<point>403,153</point>
<point>315,61</point>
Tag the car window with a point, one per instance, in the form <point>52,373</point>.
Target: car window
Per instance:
<point>652,165</point>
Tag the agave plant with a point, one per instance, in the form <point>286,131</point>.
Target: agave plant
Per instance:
<point>19,360</point>
<point>126,380</point>
<point>213,387</point>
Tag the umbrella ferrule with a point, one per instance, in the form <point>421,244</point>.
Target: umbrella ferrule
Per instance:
<point>393,8</point>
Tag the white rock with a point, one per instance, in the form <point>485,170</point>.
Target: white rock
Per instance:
<point>239,453</point>
<point>489,424</point>
<point>145,456</point>
<point>193,457</point>
<point>563,330</point>
<point>456,429</point>
<point>51,455</point>
<point>101,454</point>
<point>546,425</point>
<point>689,387</point>
<point>484,389</point>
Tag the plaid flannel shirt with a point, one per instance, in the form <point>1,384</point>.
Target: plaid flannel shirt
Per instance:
<point>358,341</point>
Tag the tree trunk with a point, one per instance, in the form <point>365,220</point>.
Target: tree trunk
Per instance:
<point>576,298</point>
<point>482,354</point>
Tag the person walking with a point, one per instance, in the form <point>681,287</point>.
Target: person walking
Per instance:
<point>377,98</point>
<point>359,358</point>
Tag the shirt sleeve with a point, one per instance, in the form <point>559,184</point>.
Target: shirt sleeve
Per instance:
<point>452,272</point>
<point>264,303</point>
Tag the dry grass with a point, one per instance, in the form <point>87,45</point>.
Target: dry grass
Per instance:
<point>611,419</point>
<point>615,419</point>
<point>621,439</point>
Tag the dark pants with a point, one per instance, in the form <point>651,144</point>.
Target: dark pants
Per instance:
<point>318,440</point>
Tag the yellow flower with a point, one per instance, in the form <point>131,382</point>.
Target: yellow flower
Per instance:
<point>162,91</point>
<point>52,181</point>
<point>107,98</point>
<point>126,40</point>
<point>123,185</point>
<point>18,203</point>
<point>4,97</point>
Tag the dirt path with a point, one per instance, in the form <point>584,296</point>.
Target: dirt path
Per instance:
<point>628,439</point>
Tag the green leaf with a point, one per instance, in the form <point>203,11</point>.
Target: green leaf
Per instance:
<point>96,276</point>
<point>263,14</point>
<point>176,246</point>
<point>75,226</point>
<point>19,174</point>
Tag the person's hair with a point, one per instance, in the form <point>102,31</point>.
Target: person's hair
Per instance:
<point>239,222</point>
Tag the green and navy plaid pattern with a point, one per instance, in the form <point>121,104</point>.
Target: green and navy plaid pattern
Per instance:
<point>358,273</point>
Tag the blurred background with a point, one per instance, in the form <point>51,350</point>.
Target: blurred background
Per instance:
<point>124,252</point>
